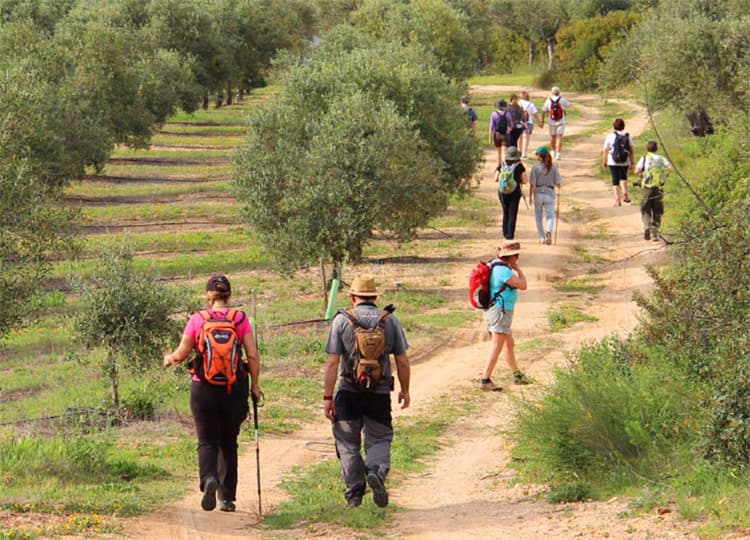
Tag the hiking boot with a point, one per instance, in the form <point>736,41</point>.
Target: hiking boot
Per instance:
<point>354,501</point>
<point>626,198</point>
<point>548,238</point>
<point>520,378</point>
<point>488,386</point>
<point>227,506</point>
<point>655,237</point>
<point>647,234</point>
<point>208,501</point>
<point>379,493</point>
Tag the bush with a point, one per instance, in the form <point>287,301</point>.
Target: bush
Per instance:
<point>610,415</point>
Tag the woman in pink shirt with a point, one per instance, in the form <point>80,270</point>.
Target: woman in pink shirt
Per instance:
<point>218,409</point>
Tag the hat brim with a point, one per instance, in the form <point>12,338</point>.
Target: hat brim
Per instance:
<point>509,253</point>
<point>364,293</point>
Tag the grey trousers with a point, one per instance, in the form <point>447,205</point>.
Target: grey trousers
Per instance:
<point>358,413</point>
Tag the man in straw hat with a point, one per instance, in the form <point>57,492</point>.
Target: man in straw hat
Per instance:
<point>506,279</point>
<point>362,400</point>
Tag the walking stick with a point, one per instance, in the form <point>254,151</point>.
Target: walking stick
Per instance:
<point>557,215</point>
<point>257,450</point>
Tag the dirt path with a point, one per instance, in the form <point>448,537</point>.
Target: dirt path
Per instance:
<point>467,491</point>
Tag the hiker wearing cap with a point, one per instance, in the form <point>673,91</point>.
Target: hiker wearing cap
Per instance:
<point>510,199</point>
<point>471,114</point>
<point>544,187</point>
<point>617,155</point>
<point>555,107</point>
<point>532,115</point>
<point>500,123</point>
<point>506,279</point>
<point>362,401</point>
<point>218,409</point>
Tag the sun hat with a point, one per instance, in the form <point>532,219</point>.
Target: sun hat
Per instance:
<point>501,104</point>
<point>464,99</point>
<point>364,286</point>
<point>556,90</point>
<point>512,154</point>
<point>542,151</point>
<point>219,283</point>
<point>508,249</point>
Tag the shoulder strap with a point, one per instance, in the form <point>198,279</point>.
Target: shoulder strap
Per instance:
<point>205,314</point>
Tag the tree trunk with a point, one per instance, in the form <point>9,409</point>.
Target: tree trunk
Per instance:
<point>532,51</point>
<point>325,284</point>
<point>229,93</point>
<point>112,372</point>
<point>551,42</point>
<point>219,99</point>
<point>205,102</point>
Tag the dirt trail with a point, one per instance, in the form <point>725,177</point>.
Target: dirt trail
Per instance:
<point>467,490</point>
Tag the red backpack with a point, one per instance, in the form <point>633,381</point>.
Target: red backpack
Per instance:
<point>219,350</point>
<point>479,285</point>
<point>555,109</point>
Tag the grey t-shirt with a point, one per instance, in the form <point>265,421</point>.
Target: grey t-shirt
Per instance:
<point>341,342</point>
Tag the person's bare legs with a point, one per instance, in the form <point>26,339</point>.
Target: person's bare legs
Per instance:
<point>498,341</point>
<point>616,190</point>
<point>510,352</point>
<point>624,188</point>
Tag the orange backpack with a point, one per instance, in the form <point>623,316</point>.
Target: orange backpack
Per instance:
<point>219,350</point>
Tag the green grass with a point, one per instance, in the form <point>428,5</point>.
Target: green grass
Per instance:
<point>579,286</point>
<point>521,77</point>
<point>567,316</point>
<point>222,211</point>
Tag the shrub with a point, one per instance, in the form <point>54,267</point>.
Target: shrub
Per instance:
<point>606,417</point>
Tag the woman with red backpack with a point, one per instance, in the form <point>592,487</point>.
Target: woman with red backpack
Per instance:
<point>219,389</point>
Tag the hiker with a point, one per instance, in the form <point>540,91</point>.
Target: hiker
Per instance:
<point>652,169</point>
<point>471,114</point>
<point>532,115</point>
<point>218,409</point>
<point>518,117</point>
<point>506,279</point>
<point>362,401</point>
<point>544,187</point>
<point>617,154</point>
<point>555,106</point>
<point>510,198</point>
<point>500,122</point>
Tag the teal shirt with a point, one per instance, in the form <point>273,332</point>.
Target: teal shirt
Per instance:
<point>500,274</point>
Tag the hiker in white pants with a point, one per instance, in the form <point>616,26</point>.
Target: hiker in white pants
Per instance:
<point>358,406</point>
<point>544,181</point>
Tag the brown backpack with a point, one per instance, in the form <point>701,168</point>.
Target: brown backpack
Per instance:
<point>366,365</point>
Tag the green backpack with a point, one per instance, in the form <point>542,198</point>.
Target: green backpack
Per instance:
<point>506,180</point>
<point>654,171</point>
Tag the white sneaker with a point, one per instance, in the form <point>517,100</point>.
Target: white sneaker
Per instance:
<point>558,155</point>
<point>524,155</point>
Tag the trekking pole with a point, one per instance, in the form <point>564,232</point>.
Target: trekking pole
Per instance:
<point>557,215</point>
<point>257,449</point>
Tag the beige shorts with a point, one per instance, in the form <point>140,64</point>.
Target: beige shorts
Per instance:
<point>556,128</point>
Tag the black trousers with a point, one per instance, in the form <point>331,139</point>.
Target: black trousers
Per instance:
<point>218,417</point>
<point>510,203</point>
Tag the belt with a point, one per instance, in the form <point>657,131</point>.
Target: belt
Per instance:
<point>544,187</point>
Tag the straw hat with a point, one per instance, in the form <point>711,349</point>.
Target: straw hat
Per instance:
<point>508,249</point>
<point>364,286</point>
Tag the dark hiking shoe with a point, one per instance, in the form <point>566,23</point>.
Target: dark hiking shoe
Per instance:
<point>354,501</point>
<point>626,198</point>
<point>379,493</point>
<point>227,506</point>
<point>548,238</point>
<point>647,234</point>
<point>488,386</point>
<point>520,378</point>
<point>208,501</point>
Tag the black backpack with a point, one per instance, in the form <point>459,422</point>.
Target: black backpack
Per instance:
<point>502,123</point>
<point>517,114</point>
<point>621,148</point>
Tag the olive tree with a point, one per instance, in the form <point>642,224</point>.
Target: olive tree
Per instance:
<point>360,143</point>
<point>126,312</point>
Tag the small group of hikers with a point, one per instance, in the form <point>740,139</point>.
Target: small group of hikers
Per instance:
<point>511,124</point>
<point>544,190</point>
<point>359,347</point>
<point>618,155</point>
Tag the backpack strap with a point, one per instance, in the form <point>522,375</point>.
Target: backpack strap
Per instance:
<point>502,287</point>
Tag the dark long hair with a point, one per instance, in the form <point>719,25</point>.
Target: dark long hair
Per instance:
<point>547,160</point>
